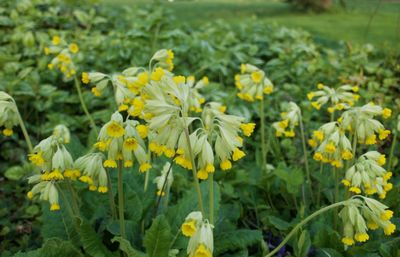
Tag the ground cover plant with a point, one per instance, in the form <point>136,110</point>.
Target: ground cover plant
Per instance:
<point>127,133</point>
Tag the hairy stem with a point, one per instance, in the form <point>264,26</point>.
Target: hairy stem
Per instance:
<point>24,131</point>
<point>194,170</point>
<point>303,141</point>
<point>84,107</point>
<point>211,197</point>
<point>121,206</point>
<point>302,223</point>
<point>111,197</point>
<point>392,150</point>
<point>263,149</point>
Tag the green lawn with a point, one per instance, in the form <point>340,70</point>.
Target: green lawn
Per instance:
<point>349,25</point>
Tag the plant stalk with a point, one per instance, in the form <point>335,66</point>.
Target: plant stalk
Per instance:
<point>111,197</point>
<point>392,150</point>
<point>303,141</point>
<point>121,206</point>
<point>302,223</point>
<point>211,197</point>
<point>263,149</point>
<point>84,107</point>
<point>194,170</point>
<point>24,131</point>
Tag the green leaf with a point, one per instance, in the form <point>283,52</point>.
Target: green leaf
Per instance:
<point>279,223</point>
<point>57,247</point>
<point>126,247</point>
<point>303,244</point>
<point>237,239</point>
<point>15,173</point>
<point>34,253</point>
<point>158,238</point>
<point>91,241</point>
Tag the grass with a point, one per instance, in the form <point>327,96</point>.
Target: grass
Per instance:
<point>350,25</point>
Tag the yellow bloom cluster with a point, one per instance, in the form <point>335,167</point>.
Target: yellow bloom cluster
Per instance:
<point>201,243</point>
<point>363,214</point>
<point>56,163</point>
<point>290,119</point>
<point>252,83</point>
<point>338,99</point>
<point>8,114</point>
<point>63,56</point>
<point>123,141</point>
<point>368,175</point>
<point>93,172</point>
<point>361,122</point>
<point>332,145</point>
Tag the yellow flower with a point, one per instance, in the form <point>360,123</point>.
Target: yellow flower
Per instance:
<point>205,80</point>
<point>388,187</point>
<point>169,152</point>
<point>345,182</point>
<point>320,86</point>
<point>30,195</point>
<point>56,40</point>
<point>361,237</point>
<point>222,108</point>
<point>210,168</point>
<point>123,107</point>
<point>347,155</point>
<point>143,130</point>
<point>331,109</point>
<point>73,48</point>
<point>36,158</point>
<point>319,135</point>
<point>92,187</point>
<point>347,241</point>
<point>316,105</point>
<point>290,133</point>
<point>157,74</point>
<point>371,140</point>
<point>382,160</point>
<point>383,134</point>
<point>386,113</point>
<point>387,215</point>
<point>102,189</point>
<point>372,225</point>
<point>355,89</point>
<point>50,66</point>
<point>387,175</point>
<point>114,129</point>
<point>243,68</point>
<point>54,207</point>
<point>268,90</point>
<point>202,251</point>
<point>144,167</point>
<point>130,144</point>
<point>128,163</point>
<point>312,143</point>
<point>86,179</point>
<point>202,174</point>
<point>8,132</point>
<point>179,79</point>
<point>336,163</point>
<point>389,229</point>
<point>310,95</point>
<point>226,165</point>
<point>283,124</point>
<point>46,51</point>
<point>318,156</point>
<point>256,76</point>
<point>189,228</point>
<point>110,163</point>
<point>330,148</point>
<point>247,128</point>
<point>355,190</point>
<point>238,154</point>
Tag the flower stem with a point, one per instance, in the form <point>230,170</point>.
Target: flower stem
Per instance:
<point>321,168</point>
<point>111,197</point>
<point>121,201</point>
<point>23,128</point>
<point>211,197</point>
<point>303,222</point>
<point>74,197</point>
<point>194,170</point>
<point>84,107</point>
<point>392,150</point>
<point>263,149</point>
<point>303,141</point>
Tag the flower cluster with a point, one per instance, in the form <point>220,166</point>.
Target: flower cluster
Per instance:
<point>93,172</point>
<point>290,119</point>
<point>360,121</point>
<point>8,113</point>
<point>165,180</point>
<point>332,145</point>
<point>368,175</point>
<point>63,56</point>
<point>363,214</point>
<point>56,163</point>
<point>252,83</point>
<point>338,99</point>
<point>123,141</point>
<point>201,243</point>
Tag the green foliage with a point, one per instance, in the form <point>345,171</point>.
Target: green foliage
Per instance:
<point>126,247</point>
<point>236,240</point>
<point>158,238</point>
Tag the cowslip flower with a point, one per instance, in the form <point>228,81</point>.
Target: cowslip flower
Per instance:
<point>332,145</point>
<point>362,214</point>
<point>8,114</point>
<point>201,242</point>
<point>165,58</point>
<point>367,175</point>
<point>340,98</point>
<point>123,142</point>
<point>93,172</point>
<point>64,54</point>
<point>361,122</point>
<point>290,119</point>
<point>165,180</point>
<point>252,83</point>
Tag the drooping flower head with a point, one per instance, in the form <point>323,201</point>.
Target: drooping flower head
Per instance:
<point>8,113</point>
<point>252,83</point>
<point>165,180</point>
<point>290,119</point>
